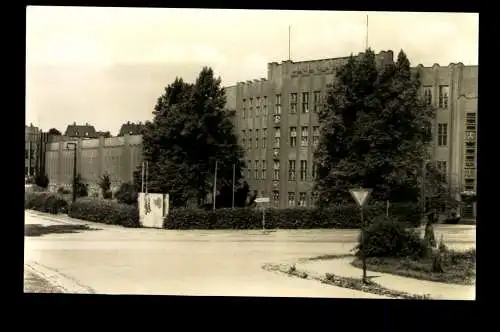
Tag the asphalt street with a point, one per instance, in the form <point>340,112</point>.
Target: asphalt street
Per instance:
<point>116,260</point>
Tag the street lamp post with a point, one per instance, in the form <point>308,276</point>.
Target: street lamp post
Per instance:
<point>74,168</point>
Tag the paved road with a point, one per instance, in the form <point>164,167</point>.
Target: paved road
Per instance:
<point>115,260</point>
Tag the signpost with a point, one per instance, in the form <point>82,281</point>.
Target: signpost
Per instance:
<point>361,195</point>
<point>263,200</point>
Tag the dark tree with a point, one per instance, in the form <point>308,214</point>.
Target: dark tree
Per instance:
<point>192,129</point>
<point>42,180</point>
<point>54,132</point>
<point>374,131</point>
<point>105,185</point>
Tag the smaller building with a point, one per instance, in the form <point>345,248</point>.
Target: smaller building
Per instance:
<point>131,129</point>
<point>31,148</point>
<point>81,131</point>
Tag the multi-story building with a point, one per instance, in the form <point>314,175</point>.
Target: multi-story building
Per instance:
<point>31,148</point>
<point>278,127</point>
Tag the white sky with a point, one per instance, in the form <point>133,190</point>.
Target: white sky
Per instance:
<point>106,66</point>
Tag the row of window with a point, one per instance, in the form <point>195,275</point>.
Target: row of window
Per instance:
<point>292,199</point>
<point>260,137</point>
<point>257,170</point>
<point>443,95</point>
<point>258,105</point>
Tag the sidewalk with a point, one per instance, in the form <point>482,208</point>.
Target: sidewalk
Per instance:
<point>436,290</point>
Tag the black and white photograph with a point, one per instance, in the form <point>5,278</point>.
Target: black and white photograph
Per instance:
<point>251,153</point>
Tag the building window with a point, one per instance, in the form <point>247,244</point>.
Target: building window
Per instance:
<point>442,169</point>
<point>257,107</point>
<point>249,139</point>
<point>304,136</point>
<point>263,174</point>
<point>243,139</point>
<point>291,170</point>
<point>250,108</point>
<point>470,121</point>
<point>293,136</point>
<point>443,96</point>
<point>293,103</point>
<point>303,170</point>
<point>264,106</point>
<point>317,101</point>
<point>305,102</point>
<point>314,171</point>
<point>249,169</point>
<point>257,138</point>
<point>276,198</point>
<point>256,170</point>
<point>315,197</point>
<point>277,136</point>
<point>291,199</point>
<point>442,134</point>
<point>315,135</point>
<point>26,153</point>
<point>428,95</point>
<point>277,109</point>
<point>264,138</point>
<point>302,199</point>
<point>276,170</point>
<point>469,184</point>
<point>244,110</point>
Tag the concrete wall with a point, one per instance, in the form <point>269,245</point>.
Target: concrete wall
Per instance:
<point>117,156</point>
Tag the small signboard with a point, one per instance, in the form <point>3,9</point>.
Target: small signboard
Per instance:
<point>360,195</point>
<point>262,200</point>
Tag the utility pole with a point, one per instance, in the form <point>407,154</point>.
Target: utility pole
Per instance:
<point>366,42</point>
<point>234,179</point>
<point>215,185</point>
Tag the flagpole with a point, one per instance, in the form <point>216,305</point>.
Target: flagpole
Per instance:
<point>142,177</point>
<point>366,42</point>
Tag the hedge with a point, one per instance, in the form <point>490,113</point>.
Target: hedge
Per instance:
<point>45,202</point>
<point>105,211</point>
<point>342,216</point>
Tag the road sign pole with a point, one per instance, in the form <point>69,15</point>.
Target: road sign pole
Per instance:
<point>363,253</point>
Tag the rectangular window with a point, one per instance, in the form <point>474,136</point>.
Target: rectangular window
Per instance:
<point>276,170</point>
<point>305,102</point>
<point>293,136</point>
<point>315,135</point>
<point>277,109</point>
<point>257,107</point>
<point>304,136</point>
<point>263,174</point>
<point>443,96</point>
<point>277,137</point>
<point>469,184</point>
<point>291,170</point>
<point>314,171</point>
<point>303,170</point>
<point>442,169</point>
<point>293,103</point>
<point>256,170</point>
<point>470,121</point>
<point>317,101</point>
<point>257,138</point>
<point>244,139</point>
<point>264,138</point>
<point>244,110</point>
<point>250,134</point>
<point>315,197</point>
<point>276,198</point>
<point>428,95</point>
<point>249,170</point>
<point>291,199</point>
<point>442,134</point>
<point>264,106</point>
<point>250,108</point>
<point>302,199</point>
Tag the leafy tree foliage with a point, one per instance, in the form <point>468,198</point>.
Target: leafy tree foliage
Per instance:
<point>127,194</point>
<point>54,132</point>
<point>81,187</point>
<point>42,180</point>
<point>105,185</point>
<point>374,130</point>
<point>191,129</point>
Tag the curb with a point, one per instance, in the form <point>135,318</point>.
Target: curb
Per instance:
<point>58,280</point>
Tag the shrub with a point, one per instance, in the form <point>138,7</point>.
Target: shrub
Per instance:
<point>388,237</point>
<point>127,194</point>
<point>105,185</point>
<point>45,202</point>
<point>339,216</point>
<point>63,191</point>
<point>81,188</point>
<point>42,180</point>
<point>105,211</point>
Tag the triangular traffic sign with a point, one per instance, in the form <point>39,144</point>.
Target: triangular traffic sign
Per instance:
<point>360,195</point>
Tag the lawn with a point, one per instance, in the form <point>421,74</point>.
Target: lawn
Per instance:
<point>459,267</point>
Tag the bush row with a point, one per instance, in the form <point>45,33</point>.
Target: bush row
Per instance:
<point>105,211</point>
<point>45,202</point>
<point>341,216</point>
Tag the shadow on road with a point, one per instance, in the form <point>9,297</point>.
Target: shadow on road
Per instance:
<point>39,230</point>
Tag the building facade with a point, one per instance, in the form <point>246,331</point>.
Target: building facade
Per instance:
<point>31,148</point>
<point>118,157</point>
<point>277,124</point>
